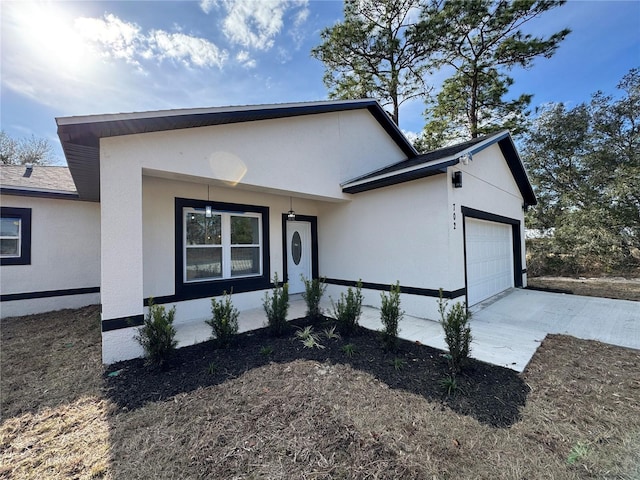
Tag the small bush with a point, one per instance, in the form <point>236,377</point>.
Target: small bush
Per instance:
<point>331,333</point>
<point>224,321</point>
<point>157,335</point>
<point>391,315</point>
<point>276,307</point>
<point>348,309</point>
<point>313,291</point>
<point>308,338</point>
<point>398,364</point>
<point>449,384</point>
<point>349,349</point>
<point>457,332</point>
<point>266,350</point>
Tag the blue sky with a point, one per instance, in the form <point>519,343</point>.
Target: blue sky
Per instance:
<point>92,57</point>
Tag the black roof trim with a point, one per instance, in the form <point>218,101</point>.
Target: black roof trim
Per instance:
<point>503,139</point>
<point>415,174</point>
<point>25,192</point>
<point>80,136</point>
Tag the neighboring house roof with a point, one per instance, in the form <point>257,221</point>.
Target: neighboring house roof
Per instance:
<point>80,136</point>
<point>437,161</point>
<point>37,181</point>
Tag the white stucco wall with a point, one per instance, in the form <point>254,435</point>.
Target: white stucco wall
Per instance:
<point>260,163</point>
<point>65,254</point>
<point>308,155</point>
<point>391,234</point>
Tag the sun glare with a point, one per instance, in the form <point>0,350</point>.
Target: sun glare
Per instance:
<point>49,33</point>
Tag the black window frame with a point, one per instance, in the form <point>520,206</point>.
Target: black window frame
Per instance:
<point>25,235</point>
<point>209,288</point>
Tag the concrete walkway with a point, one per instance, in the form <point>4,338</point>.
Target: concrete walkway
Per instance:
<point>506,330</point>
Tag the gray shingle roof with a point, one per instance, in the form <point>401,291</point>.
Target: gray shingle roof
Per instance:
<point>53,180</point>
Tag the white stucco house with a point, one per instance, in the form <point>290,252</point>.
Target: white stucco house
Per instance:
<point>182,205</point>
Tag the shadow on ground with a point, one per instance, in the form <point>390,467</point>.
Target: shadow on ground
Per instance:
<point>491,394</point>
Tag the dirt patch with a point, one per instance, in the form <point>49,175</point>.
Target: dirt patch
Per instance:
<point>606,287</point>
<point>491,394</point>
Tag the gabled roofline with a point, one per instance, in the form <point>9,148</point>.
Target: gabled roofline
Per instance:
<point>80,136</point>
<point>413,168</point>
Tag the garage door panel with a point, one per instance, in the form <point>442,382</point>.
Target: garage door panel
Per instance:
<point>489,249</point>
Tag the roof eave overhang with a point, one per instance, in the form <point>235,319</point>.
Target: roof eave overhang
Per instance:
<point>80,136</point>
<point>399,177</point>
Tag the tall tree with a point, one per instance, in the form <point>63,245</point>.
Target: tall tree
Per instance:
<point>37,151</point>
<point>481,40</point>
<point>371,53</point>
<point>584,163</point>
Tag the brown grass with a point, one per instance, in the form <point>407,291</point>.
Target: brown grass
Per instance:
<point>306,419</point>
<point>618,287</point>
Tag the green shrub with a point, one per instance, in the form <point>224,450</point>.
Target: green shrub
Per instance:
<point>313,291</point>
<point>308,338</point>
<point>457,332</point>
<point>449,384</point>
<point>276,307</point>
<point>224,321</point>
<point>349,349</point>
<point>348,309</point>
<point>391,315</point>
<point>157,335</point>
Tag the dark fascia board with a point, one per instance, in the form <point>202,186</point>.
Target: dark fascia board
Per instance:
<point>80,136</point>
<point>402,177</point>
<point>25,192</point>
<point>503,139</point>
<point>517,170</point>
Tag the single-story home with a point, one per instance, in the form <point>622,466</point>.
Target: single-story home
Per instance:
<point>182,205</point>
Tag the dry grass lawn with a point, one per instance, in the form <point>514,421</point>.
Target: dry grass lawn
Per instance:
<point>305,419</point>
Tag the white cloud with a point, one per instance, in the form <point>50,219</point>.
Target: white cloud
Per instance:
<point>186,49</point>
<point>245,59</point>
<point>115,38</point>
<point>256,24</point>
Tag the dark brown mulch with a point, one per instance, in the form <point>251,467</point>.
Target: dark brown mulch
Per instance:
<point>491,394</point>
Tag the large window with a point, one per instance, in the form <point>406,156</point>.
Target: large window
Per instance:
<point>15,236</point>
<point>222,245</point>
<point>225,250</point>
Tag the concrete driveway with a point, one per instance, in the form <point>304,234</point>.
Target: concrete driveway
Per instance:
<point>508,329</point>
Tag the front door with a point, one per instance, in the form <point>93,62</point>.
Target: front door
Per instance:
<point>298,254</point>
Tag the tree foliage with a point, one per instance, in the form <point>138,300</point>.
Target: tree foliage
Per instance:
<point>480,41</point>
<point>34,150</point>
<point>584,163</point>
<point>372,53</point>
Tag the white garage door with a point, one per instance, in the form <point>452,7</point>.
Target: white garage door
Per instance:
<point>489,259</point>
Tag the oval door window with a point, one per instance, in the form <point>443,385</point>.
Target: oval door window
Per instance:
<point>296,248</point>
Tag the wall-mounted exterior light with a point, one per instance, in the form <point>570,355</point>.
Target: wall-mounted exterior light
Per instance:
<point>466,158</point>
<point>457,179</point>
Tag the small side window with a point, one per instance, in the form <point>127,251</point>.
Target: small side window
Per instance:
<point>15,236</point>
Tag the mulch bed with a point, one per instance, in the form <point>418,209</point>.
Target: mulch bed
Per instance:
<point>491,394</point>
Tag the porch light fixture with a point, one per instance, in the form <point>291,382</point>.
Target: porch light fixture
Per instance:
<point>207,211</point>
<point>291,215</point>
<point>457,179</point>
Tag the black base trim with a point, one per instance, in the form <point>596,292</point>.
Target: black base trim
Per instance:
<point>120,323</point>
<point>48,294</point>
<point>425,292</point>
